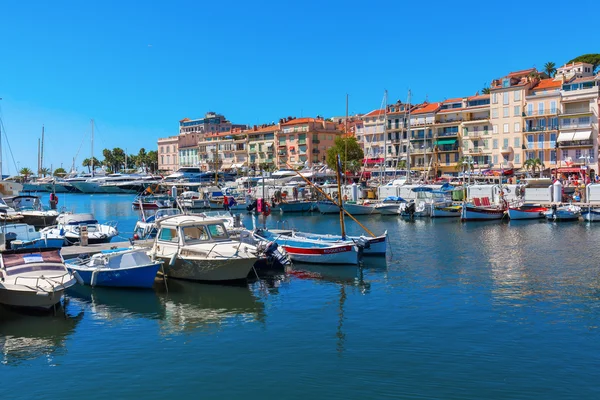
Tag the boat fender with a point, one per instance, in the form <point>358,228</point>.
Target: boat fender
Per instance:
<point>172,260</point>
<point>94,278</point>
<point>136,236</point>
<point>266,209</point>
<point>78,277</point>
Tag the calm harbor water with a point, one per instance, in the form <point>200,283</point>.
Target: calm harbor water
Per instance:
<point>459,311</point>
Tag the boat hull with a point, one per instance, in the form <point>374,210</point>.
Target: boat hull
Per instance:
<point>294,207</point>
<point>37,243</point>
<point>592,215</point>
<point>87,187</point>
<point>562,216</point>
<point>354,209</point>
<point>470,213</point>
<point>28,299</point>
<point>518,214</point>
<point>210,270</point>
<point>39,220</point>
<point>342,255</point>
<point>389,209</point>
<point>377,246</point>
<point>135,277</point>
<point>446,212</point>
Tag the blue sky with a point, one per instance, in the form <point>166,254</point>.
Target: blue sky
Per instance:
<point>137,68</point>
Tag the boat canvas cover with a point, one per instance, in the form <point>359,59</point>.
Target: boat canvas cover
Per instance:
<point>77,219</point>
<point>15,263</point>
<point>394,198</point>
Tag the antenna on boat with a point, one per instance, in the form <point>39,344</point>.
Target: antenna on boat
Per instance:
<point>92,159</point>
<point>340,201</point>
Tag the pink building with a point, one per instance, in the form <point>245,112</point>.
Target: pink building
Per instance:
<point>304,141</point>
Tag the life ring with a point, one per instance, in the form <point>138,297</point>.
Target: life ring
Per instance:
<point>266,209</point>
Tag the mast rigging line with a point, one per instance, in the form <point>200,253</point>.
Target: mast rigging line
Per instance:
<point>5,136</point>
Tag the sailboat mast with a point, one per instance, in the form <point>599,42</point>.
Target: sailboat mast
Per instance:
<point>384,137</point>
<point>345,139</point>
<point>39,167</point>
<point>42,152</point>
<point>408,180</point>
<point>1,175</point>
<point>92,159</point>
<point>340,198</point>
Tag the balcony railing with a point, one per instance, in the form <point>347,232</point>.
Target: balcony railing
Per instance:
<point>577,143</point>
<point>301,141</point>
<point>447,148</point>
<point>316,141</point>
<point>475,150</point>
<point>578,110</point>
<point>540,128</point>
<point>447,134</point>
<point>420,137</point>
<point>539,113</point>
<point>570,126</point>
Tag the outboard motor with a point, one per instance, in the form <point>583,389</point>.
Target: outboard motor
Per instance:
<point>9,237</point>
<point>554,208</point>
<point>410,209</point>
<point>252,206</point>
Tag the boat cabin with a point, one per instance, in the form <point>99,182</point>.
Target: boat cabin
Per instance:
<point>189,230</point>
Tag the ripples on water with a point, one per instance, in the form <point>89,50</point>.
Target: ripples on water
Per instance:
<point>477,310</point>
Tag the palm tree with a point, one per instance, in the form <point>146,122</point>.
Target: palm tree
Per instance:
<point>533,164</point>
<point>485,90</point>
<point>60,172</point>
<point>550,69</point>
<point>44,171</point>
<point>26,173</point>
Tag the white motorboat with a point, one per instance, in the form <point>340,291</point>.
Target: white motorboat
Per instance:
<point>592,214</point>
<point>391,205</point>
<point>21,236</point>
<point>199,248</point>
<point>147,227</point>
<point>33,278</point>
<point>32,210</point>
<point>69,226</point>
<point>568,212</point>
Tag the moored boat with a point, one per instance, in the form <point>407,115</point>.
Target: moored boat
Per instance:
<point>33,278</point>
<point>445,211</point>
<point>125,268</point>
<point>563,213</point>
<point>527,211</point>
<point>391,205</point>
<point>471,212</point>
<point>328,207</point>
<point>592,214</point>
<point>376,246</point>
<point>69,228</point>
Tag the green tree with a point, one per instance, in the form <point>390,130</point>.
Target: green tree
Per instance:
<point>25,173</point>
<point>118,159</point>
<point>593,59</point>
<point>465,164</point>
<point>44,171</point>
<point>88,163</point>
<point>109,160</point>
<point>142,157</point>
<point>485,90</point>
<point>550,69</point>
<point>60,172</point>
<point>533,164</point>
<point>354,151</point>
<point>152,160</point>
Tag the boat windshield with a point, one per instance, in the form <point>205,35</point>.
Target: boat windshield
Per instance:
<point>194,234</point>
<point>218,231</point>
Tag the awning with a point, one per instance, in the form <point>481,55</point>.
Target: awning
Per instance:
<point>568,169</point>
<point>565,136</point>
<point>583,135</point>
<point>269,145</point>
<point>240,165</point>
<point>373,160</point>
<point>226,166</point>
<point>445,141</point>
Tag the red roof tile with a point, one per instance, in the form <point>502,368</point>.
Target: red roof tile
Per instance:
<point>297,121</point>
<point>374,113</point>
<point>523,72</point>
<point>456,100</point>
<point>548,84</point>
<point>427,108</point>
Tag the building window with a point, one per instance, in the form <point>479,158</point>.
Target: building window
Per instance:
<point>495,128</point>
<point>577,155</point>
<point>529,109</point>
<point>505,143</point>
<point>505,112</point>
<point>505,82</point>
<point>517,111</point>
<point>495,143</point>
<point>485,143</point>
<point>517,158</point>
<point>517,127</point>
<point>553,157</point>
<point>553,107</point>
<point>494,98</point>
<point>517,95</point>
<point>495,158</point>
<point>517,142</point>
<point>505,128</point>
<point>494,113</point>
<point>162,159</point>
<point>541,140</point>
<point>565,154</point>
<point>505,98</point>
<point>541,155</point>
<point>540,108</point>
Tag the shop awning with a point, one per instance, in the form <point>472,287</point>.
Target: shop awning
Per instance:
<point>373,160</point>
<point>445,141</point>
<point>568,169</point>
<point>226,166</point>
<point>583,135</point>
<point>565,136</point>
<point>240,165</point>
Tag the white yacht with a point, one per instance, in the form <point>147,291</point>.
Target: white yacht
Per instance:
<point>185,174</point>
<point>33,278</point>
<point>69,228</point>
<point>199,248</point>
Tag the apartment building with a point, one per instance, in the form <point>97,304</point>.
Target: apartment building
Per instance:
<point>224,151</point>
<point>422,121</point>
<point>506,114</point>
<point>477,141</point>
<point>262,146</point>
<point>304,141</point>
<point>370,137</point>
<point>168,150</point>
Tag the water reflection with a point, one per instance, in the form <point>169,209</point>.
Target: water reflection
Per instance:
<point>191,306</point>
<point>115,304</point>
<point>27,337</point>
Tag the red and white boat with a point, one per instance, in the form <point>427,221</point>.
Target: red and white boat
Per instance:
<point>527,211</point>
<point>481,210</point>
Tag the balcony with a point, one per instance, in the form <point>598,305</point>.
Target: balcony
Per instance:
<point>576,126</point>
<point>316,141</point>
<point>541,113</point>
<point>301,141</point>
<point>447,148</point>
<point>316,151</point>
<point>577,143</point>
<point>540,128</point>
<point>475,150</point>
<point>421,150</point>
<point>253,151</point>
<point>421,137</point>
<point>506,150</point>
<point>577,111</point>
<point>281,145</point>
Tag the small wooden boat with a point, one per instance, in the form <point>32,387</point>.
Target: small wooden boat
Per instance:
<point>527,211</point>
<point>312,251</point>
<point>370,245</point>
<point>292,206</point>
<point>153,201</point>
<point>328,207</point>
<point>445,211</point>
<point>481,210</point>
<point>125,268</point>
<point>563,213</point>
